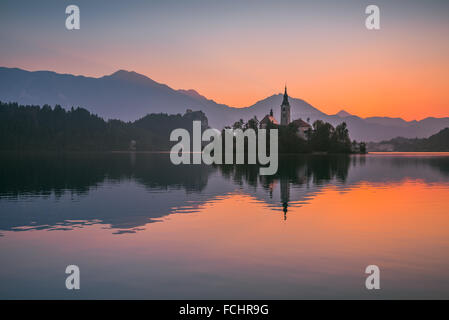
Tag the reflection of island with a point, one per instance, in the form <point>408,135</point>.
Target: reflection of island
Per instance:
<point>298,178</point>
<point>126,191</point>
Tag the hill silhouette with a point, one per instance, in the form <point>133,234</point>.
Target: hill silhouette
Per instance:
<point>128,96</point>
<point>436,143</point>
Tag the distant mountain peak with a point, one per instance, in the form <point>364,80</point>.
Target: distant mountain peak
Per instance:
<point>195,94</point>
<point>123,73</point>
<point>192,93</point>
<point>130,76</point>
<point>343,114</point>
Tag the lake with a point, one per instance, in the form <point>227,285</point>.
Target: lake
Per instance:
<point>139,227</point>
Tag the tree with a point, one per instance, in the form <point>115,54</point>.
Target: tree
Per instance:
<point>252,124</point>
<point>238,124</point>
<point>340,141</point>
<point>321,137</point>
<point>362,147</point>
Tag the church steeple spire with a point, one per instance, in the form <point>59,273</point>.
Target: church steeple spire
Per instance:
<point>285,109</point>
<point>285,100</point>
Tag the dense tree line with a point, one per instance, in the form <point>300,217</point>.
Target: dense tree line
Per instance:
<point>322,137</point>
<point>35,128</point>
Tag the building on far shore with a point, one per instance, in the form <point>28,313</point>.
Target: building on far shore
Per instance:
<point>269,118</point>
<point>303,127</point>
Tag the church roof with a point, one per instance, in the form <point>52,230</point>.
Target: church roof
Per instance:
<point>269,118</point>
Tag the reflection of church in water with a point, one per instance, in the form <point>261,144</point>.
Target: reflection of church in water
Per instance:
<point>284,192</point>
<point>302,128</point>
<point>285,195</point>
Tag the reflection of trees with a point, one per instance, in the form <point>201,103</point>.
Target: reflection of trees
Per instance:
<point>78,174</point>
<point>241,173</point>
<point>292,170</point>
<point>325,168</point>
<point>156,171</point>
<point>441,163</point>
<point>437,162</point>
<point>43,175</point>
<point>22,175</point>
<point>298,170</point>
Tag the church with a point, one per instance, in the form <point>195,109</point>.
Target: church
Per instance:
<point>303,126</point>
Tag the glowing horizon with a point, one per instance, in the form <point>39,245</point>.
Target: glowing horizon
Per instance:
<point>238,53</point>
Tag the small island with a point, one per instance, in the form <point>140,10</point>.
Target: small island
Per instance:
<point>298,136</point>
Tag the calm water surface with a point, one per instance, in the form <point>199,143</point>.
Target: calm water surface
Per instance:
<point>139,227</point>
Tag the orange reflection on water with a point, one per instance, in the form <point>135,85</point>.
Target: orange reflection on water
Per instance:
<point>239,246</point>
<point>393,225</point>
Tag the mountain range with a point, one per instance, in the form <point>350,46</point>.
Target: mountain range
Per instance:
<point>128,95</point>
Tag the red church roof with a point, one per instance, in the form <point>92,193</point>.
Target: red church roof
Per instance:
<point>268,119</point>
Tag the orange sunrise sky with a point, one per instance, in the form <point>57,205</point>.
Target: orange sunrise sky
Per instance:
<point>240,52</point>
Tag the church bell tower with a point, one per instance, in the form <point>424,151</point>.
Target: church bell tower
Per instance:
<point>285,109</point>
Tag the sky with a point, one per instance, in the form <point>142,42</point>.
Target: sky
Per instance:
<point>240,52</point>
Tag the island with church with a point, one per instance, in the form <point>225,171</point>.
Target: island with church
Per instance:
<point>299,136</point>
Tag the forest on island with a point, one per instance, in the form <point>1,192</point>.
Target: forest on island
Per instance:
<point>322,137</point>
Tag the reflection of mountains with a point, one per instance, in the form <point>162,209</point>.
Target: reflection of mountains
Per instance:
<point>123,190</point>
<point>126,191</point>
